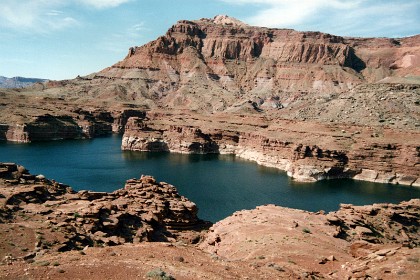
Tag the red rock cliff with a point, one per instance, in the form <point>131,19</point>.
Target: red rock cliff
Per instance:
<point>226,59</point>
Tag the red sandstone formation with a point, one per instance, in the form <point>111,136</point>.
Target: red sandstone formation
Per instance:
<point>285,145</point>
<point>236,60</point>
<point>75,124</point>
<point>48,230</point>
<point>382,241</point>
<point>143,210</point>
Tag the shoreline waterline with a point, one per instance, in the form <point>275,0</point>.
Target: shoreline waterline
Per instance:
<point>218,184</point>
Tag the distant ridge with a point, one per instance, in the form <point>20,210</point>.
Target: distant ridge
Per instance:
<point>19,82</point>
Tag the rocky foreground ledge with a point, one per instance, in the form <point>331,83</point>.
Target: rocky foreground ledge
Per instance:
<point>47,230</point>
<point>143,210</point>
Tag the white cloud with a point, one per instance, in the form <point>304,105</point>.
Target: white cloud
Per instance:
<point>138,27</point>
<point>281,13</point>
<point>102,4</point>
<point>54,13</point>
<point>63,23</point>
<point>34,15</point>
<point>342,17</point>
<point>385,19</point>
<point>120,42</point>
<point>42,16</point>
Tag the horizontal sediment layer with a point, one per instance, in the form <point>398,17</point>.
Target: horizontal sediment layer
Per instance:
<point>307,151</point>
<point>306,156</point>
<point>76,124</point>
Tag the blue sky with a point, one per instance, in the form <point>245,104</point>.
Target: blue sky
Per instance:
<point>60,39</point>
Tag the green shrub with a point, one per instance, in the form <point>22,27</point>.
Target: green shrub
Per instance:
<point>42,263</point>
<point>159,274</point>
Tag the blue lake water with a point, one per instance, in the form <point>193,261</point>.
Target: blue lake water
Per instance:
<point>218,184</point>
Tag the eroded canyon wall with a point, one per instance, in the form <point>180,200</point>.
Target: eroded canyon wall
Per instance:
<point>78,124</point>
<point>327,159</point>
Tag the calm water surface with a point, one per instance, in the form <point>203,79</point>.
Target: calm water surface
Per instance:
<point>218,184</point>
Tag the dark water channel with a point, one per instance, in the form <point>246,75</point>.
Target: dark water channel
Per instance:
<point>218,184</point>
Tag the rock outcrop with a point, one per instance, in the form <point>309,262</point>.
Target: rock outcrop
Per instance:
<point>316,105</point>
<point>73,124</point>
<point>217,64</point>
<point>144,210</point>
<point>225,59</point>
<point>378,223</point>
<point>356,242</point>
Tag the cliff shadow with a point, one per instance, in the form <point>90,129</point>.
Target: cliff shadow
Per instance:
<point>354,62</point>
<point>157,146</point>
<point>208,147</point>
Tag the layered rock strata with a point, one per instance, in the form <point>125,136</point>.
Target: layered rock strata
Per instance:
<point>77,124</point>
<point>305,155</point>
<point>208,65</point>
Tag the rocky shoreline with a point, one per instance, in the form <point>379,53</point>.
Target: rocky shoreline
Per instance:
<point>307,150</point>
<point>47,229</point>
<point>76,124</point>
<point>329,152</point>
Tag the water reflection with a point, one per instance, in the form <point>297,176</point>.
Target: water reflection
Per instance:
<point>133,156</point>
